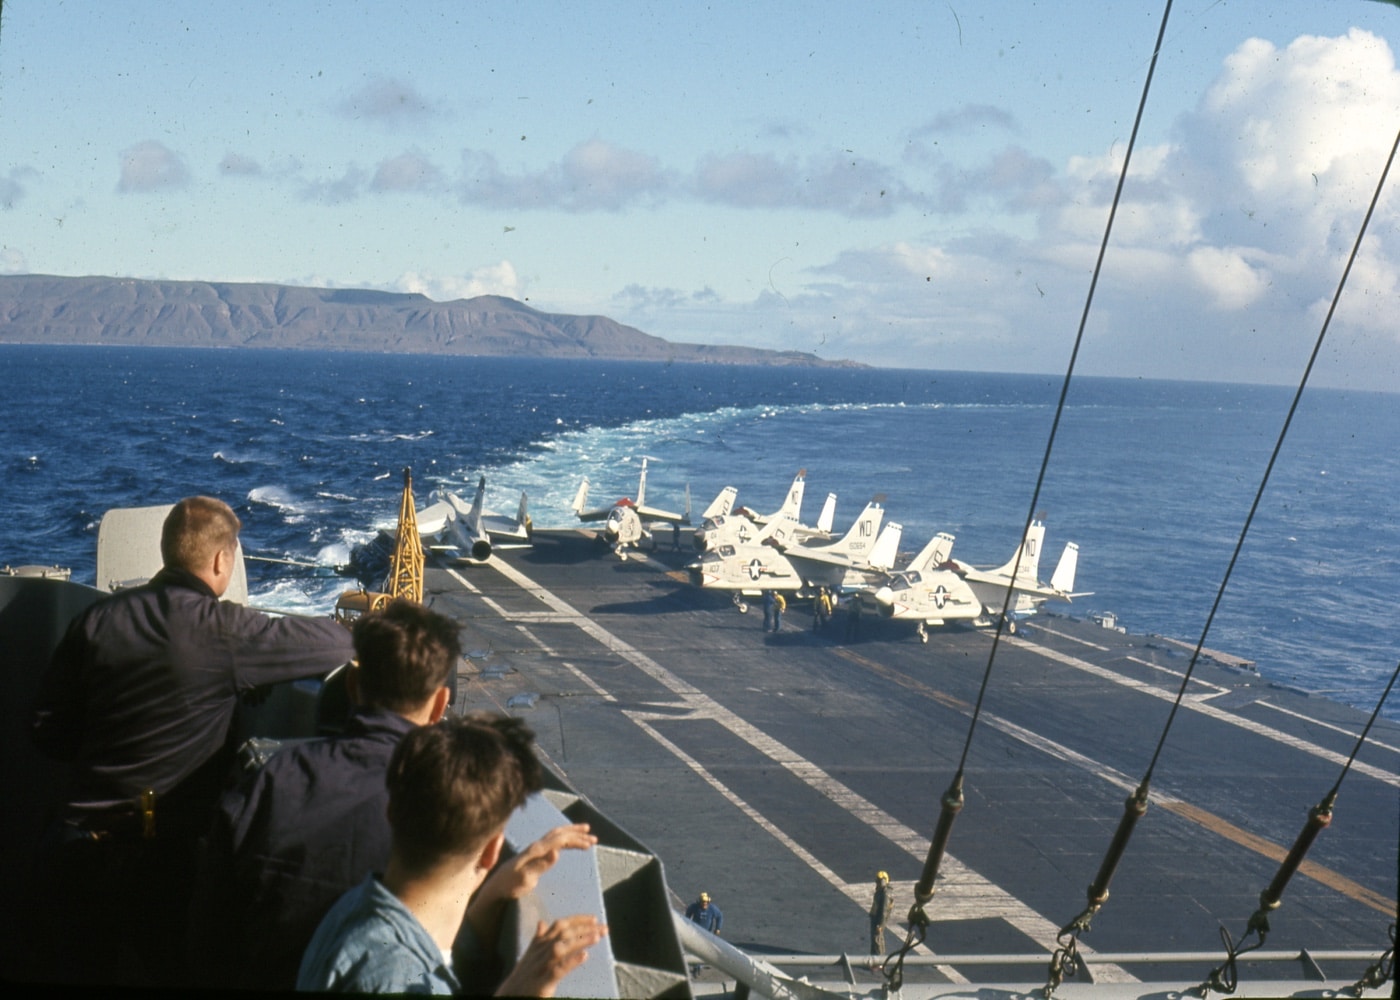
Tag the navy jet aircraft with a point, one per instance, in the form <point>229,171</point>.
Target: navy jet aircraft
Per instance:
<point>453,528</point>
<point>777,560</point>
<point>744,525</point>
<point>935,588</point>
<point>626,523</point>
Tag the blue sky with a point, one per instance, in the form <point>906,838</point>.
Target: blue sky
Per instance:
<point>907,184</point>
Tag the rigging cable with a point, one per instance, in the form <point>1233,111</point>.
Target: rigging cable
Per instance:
<point>1065,959</point>
<point>952,801</point>
<point>1224,977</point>
<point>1377,974</point>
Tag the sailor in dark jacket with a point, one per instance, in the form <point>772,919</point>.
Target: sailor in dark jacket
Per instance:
<point>881,909</point>
<point>311,824</point>
<point>139,697</point>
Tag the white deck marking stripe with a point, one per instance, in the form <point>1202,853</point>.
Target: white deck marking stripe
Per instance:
<point>1220,715</point>
<point>856,894</point>
<point>1180,807</point>
<point>965,894</point>
<point>584,678</point>
<point>1040,626</point>
<point>1371,741</point>
<point>1217,688</point>
<point>1071,638</point>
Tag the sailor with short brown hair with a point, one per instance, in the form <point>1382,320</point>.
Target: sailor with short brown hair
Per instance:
<point>138,698</point>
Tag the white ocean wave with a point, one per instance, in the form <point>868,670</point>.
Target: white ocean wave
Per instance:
<point>279,498</point>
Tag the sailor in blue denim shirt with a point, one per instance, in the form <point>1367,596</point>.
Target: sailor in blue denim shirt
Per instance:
<point>452,786</point>
<point>370,942</point>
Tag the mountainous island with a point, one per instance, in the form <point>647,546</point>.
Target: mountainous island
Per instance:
<point>45,309</point>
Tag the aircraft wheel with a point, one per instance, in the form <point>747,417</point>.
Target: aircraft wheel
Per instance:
<point>743,608</point>
<point>1011,626</point>
<point>923,637</point>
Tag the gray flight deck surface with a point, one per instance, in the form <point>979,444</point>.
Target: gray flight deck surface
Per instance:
<point>779,772</point>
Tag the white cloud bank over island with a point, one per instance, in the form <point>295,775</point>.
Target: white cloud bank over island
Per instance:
<point>1232,236</point>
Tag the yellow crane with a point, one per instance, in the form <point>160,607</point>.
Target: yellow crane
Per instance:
<point>405,577</point>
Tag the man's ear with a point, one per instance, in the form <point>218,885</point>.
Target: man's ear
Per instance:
<point>220,572</point>
<point>439,707</point>
<point>491,853</point>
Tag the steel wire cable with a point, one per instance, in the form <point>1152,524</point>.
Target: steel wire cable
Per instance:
<point>1273,458</point>
<point>1223,977</point>
<point>952,800</point>
<point>1069,375</point>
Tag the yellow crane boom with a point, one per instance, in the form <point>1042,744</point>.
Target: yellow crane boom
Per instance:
<point>405,579</point>
<point>406,568</point>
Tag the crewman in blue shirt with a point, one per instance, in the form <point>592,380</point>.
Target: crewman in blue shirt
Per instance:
<point>706,914</point>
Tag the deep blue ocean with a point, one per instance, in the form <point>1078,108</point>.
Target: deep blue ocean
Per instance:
<point>1152,479</point>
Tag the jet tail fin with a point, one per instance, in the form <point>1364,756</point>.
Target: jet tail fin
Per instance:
<point>581,497</point>
<point>858,542</point>
<point>522,513</point>
<point>478,501</point>
<point>827,519</point>
<point>886,548</point>
<point>1028,554</point>
<point>938,551</point>
<point>642,486</point>
<point>792,503</point>
<point>1063,577</point>
<point>722,504</point>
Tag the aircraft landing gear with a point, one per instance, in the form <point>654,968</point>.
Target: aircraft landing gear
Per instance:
<point>739,603</point>
<point>922,632</point>
<point>1011,626</point>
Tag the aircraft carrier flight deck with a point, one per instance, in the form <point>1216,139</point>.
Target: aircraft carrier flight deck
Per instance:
<point>780,771</point>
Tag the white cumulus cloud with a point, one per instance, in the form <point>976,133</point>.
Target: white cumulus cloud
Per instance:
<point>238,165</point>
<point>407,172</point>
<point>151,166</point>
<point>386,100</point>
<point>13,261</point>
<point>1226,248</point>
<point>1224,275</point>
<point>491,279</point>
